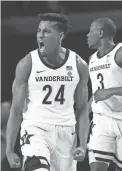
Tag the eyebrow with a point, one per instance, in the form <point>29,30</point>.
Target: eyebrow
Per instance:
<point>43,29</point>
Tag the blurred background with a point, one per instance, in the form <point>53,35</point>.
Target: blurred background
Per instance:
<point>19,24</point>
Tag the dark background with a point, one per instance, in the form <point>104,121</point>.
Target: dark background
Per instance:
<point>19,23</point>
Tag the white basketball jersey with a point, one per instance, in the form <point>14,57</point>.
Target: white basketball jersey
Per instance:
<point>105,73</point>
<point>51,90</point>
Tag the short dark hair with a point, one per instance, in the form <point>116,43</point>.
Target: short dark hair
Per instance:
<point>61,19</point>
<point>107,25</point>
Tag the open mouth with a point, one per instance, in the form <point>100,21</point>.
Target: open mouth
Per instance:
<point>41,44</point>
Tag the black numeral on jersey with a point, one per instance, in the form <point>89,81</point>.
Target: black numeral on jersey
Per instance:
<point>49,88</point>
<point>59,96</point>
<point>100,77</point>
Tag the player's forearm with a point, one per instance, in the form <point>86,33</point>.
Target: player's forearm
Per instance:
<point>13,127</point>
<point>83,126</point>
<point>89,105</point>
<point>115,91</point>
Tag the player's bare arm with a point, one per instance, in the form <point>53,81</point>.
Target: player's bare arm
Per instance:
<point>81,109</point>
<point>104,94</point>
<point>91,98</point>
<point>19,89</point>
<point>89,105</point>
<point>13,85</point>
<point>118,57</point>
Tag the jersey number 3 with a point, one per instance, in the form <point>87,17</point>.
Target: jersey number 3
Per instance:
<point>59,96</point>
<point>100,78</point>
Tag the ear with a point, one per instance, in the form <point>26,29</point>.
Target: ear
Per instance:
<point>101,34</point>
<point>61,35</point>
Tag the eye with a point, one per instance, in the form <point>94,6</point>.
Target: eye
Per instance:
<point>39,30</point>
<point>47,31</point>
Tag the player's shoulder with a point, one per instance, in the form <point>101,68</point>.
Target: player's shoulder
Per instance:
<point>79,59</point>
<point>118,56</point>
<point>25,62</point>
<point>81,63</point>
<point>33,52</point>
<point>23,68</point>
<point>27,59</point>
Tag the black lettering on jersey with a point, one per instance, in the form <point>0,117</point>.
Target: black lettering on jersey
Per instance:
<point>39,79</point>
<point>96,68</point>
<point>108,65</point>
<point>91,69</point>
<point>58,78</point>
<point>45,79</point>
<point>54,78</point>
<point>62,78</point>
<point>71,78</point>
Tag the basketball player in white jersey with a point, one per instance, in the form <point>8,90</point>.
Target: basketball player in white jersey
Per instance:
<point>54,79</point>
<point>105,68</point>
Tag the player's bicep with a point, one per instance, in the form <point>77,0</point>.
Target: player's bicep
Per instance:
<point>81,94</point>
<point>20,84</point>
<point>19,95</point>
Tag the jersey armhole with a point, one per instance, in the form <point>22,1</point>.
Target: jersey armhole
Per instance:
<point>77,66</point>
<point>31,64</point>
<point>90,58</point>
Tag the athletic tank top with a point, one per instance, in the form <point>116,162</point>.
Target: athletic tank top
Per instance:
<point>51,90</point>
<point>104,74</point>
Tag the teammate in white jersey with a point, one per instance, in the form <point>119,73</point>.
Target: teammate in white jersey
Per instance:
<point>105,68</point>
<point>52,79</point>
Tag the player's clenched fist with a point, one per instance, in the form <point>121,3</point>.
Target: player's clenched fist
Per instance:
<point>13,160</point>
<point>79,154</point>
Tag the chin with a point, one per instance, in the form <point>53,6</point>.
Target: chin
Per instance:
<point>91,46</point>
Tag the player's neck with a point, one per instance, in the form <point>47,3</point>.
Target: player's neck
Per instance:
<point>55,58</point>
<point>105,47</point>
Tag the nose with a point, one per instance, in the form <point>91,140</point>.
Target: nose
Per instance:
<point>40,34</point>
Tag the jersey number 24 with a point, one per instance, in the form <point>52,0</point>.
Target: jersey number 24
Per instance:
<point>59,96</point>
